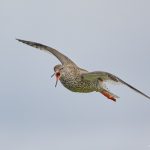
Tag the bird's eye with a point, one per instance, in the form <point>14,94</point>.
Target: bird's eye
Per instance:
<point>61,68</point>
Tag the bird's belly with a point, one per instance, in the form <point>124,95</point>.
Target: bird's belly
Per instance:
<point>79,85</point>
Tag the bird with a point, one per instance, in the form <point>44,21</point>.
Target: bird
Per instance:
<point>80,80</point>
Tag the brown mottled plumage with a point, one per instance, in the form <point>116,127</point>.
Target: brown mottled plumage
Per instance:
<point>79,80</point>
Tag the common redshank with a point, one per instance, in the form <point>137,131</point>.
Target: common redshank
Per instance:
<point>80,80</point>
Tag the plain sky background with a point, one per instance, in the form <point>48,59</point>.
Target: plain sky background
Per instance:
<point>108,35</point>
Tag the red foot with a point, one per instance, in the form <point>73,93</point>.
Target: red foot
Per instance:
<point>108,96</point>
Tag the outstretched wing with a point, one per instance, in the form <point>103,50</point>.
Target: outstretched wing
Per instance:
<point>62,58</point>
<point>105,76</point>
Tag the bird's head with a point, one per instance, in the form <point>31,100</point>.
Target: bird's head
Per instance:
<point>58,69</point>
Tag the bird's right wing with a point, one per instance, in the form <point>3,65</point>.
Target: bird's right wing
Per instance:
<point>105,76</point>
<point>61,57</point>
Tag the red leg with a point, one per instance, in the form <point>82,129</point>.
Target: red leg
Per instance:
<point>108,95</point>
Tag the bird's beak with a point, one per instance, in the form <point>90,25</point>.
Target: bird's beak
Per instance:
<point>56,82</point>
<point>57,74</point>
<point>52,75</point>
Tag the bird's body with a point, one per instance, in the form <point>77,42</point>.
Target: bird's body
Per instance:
<point>80,80</point>
<point>72,80</point>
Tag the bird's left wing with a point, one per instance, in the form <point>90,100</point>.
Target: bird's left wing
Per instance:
<point>105,76</point>
<point>61,57</point>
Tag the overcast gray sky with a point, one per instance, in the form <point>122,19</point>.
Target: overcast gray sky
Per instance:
<point>108,35</point>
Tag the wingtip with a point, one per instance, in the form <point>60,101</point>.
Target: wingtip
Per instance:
<point>19,40</point>
<point>148,97</point>
<point>24,41</point>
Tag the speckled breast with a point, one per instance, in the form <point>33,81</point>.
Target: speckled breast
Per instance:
<point>77,84</point>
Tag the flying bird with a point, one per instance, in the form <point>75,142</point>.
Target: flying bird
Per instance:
<point>80,80</point>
